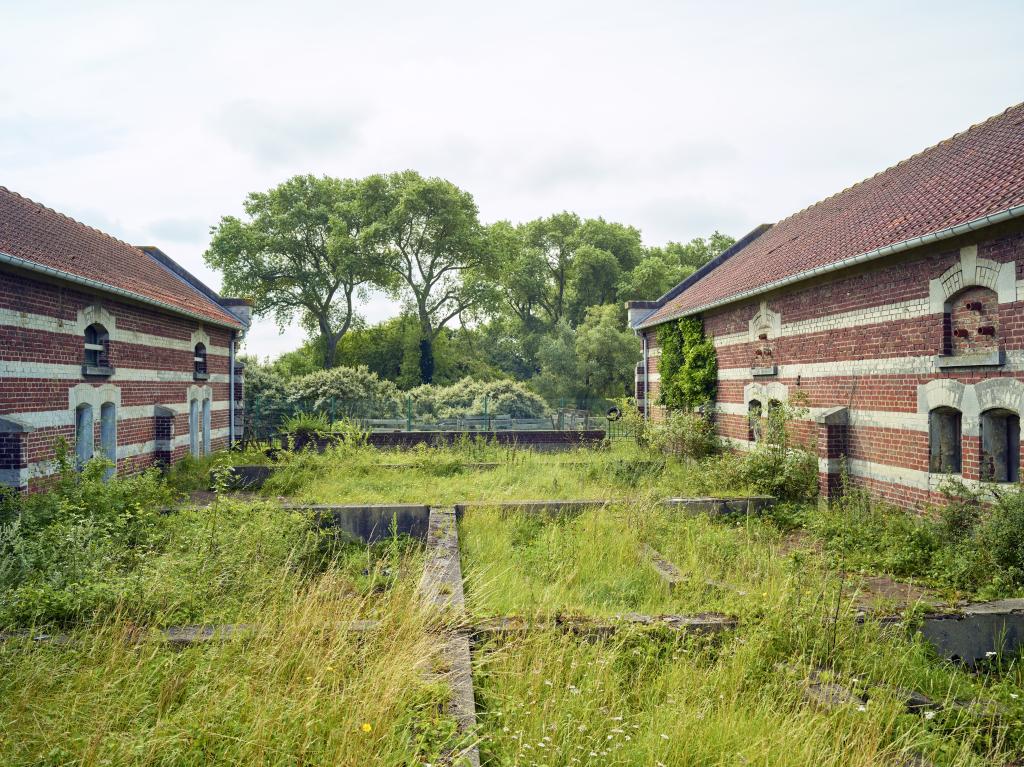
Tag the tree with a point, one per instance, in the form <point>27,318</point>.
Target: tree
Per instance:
<point>595,360</point>
<point>661,269</point>
<point>300,253</point>
<point>605,353</point>
<point>426,232</point>
<point>553,239</point>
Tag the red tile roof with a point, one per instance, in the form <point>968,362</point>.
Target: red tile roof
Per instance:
<point>37,234</point>
<point>973,174</point>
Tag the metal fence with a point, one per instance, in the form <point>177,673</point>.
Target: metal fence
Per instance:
<point>264,420</point>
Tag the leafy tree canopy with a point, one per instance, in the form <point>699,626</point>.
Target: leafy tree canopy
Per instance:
<point>300,253</point>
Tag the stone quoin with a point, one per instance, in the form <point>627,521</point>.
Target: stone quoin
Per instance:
<point>895,306</point>
<point>115,349</point>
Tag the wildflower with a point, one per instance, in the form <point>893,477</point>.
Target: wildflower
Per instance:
<point>664,736</point>
<point>1014,695</point>
<point>989,654</point>
<point>366,727</point>
<point>929,714</point>
<point>862,707</point>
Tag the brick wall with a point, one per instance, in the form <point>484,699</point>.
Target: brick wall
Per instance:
<point>871,342</point>
<point>42,353</point>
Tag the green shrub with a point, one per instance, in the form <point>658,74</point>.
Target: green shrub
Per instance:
<point>685,434</point>
<point>66,553</point>
<point>778,465</point>
<point>346,392</point>
<point>305,426</point>
<point>470,397</point>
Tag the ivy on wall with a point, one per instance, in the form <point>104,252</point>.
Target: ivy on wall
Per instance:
<point>689,365</point>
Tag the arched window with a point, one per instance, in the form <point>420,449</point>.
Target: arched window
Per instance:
<point>108,435</point>
<point>199,361</point>
<point>944,425</point>
<point>206,427</point>
<point>1000,446</point>
<point>83,434</point>
<point>193,427</point>
<point>754,420</point>
<point>97,347</point>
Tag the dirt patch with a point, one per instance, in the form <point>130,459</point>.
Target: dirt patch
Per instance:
<point>877,591</point>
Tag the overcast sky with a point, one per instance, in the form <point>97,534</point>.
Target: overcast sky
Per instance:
<point>150,121</point>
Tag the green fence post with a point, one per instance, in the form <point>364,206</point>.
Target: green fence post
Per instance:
<point>487,416</point>
<point>408,413</point>
<point>561,414</point>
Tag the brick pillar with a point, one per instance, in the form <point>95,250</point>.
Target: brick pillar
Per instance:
<point>14,453</point>
<point>238,401</point>
<point>833,429</point>
<point>163,435</point>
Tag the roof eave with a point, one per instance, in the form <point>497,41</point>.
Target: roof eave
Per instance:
<point>982,222</point>
<point>32,266</point>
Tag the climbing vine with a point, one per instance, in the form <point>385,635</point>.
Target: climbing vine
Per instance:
<point>689,365</point>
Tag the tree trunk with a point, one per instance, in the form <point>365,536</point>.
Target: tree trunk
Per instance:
<point>426,360</point>
<point>330,342</point>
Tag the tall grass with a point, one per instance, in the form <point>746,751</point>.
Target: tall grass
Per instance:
<point>297,689</point>
<point>643,698</point>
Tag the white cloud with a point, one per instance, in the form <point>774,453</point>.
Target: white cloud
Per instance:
<point>153,120</point>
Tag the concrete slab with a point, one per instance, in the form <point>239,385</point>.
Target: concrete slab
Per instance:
<point>550,507</point>
<point>248,477</point>
<point>722,506</point>
<point>600,628</point>
<point>441,589</point>
<point>977,632</point>
<point>670,574</point>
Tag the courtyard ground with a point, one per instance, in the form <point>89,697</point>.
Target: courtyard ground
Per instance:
<point>626,632</point>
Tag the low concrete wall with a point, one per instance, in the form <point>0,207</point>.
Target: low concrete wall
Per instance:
<point>978,631</point>
<point>713,506</point>
<point>552,508</point>
<point>248,477</point>
<point>754,504</point>
<point>371,523</point>
<point>547,440</point>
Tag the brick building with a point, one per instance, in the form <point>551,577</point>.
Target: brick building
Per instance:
<point>895,306</point>
<point>116,349</point>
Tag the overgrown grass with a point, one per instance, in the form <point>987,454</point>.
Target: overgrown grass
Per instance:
<point>100,562</point>
<point>297,689</point>
<point>644,698</point>
<point>91,548</point>
<point>346,474</point>
<point>973,547</point>
<point>520,563</point>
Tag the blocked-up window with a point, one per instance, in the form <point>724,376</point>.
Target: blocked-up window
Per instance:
<point>944,429</point>
<point>206,426</point>
<point>193,427</point>
<point>97,346</point>
<point>83,434</point>
<point>1000,446</point>
<point>754,420</point>
<point>108,435</point>
<point>972,322</point>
